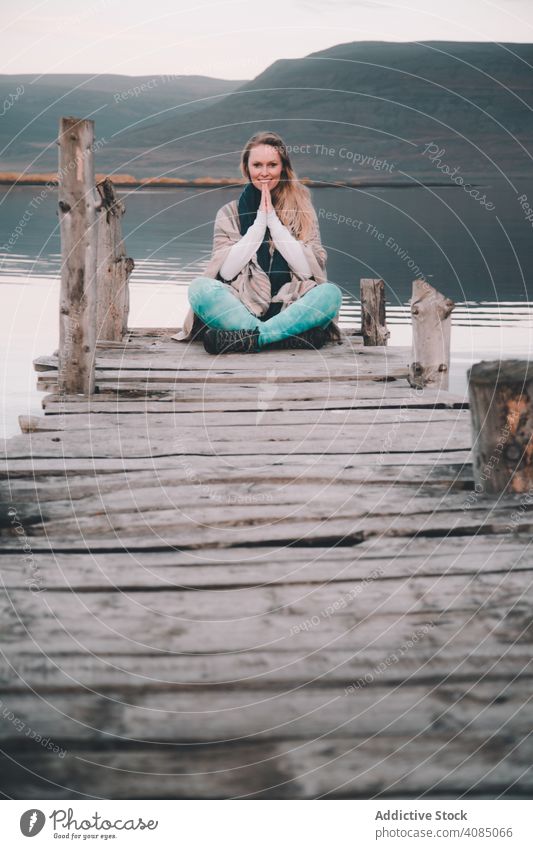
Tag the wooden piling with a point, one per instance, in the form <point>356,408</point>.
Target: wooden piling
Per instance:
<point>77,218</point>
<point>501,404</point>
<point>373,322</point>
<point>114,267</point>
<point>430,355</point>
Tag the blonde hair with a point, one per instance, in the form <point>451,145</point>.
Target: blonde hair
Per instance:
<point>290,198</point>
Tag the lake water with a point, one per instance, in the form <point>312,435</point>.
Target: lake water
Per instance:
<point>481,258</point>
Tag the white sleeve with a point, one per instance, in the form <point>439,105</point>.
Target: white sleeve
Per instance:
<point>289,247</point>
<point>242,251</point>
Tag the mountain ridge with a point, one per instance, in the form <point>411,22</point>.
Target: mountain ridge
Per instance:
<point>367,101</point>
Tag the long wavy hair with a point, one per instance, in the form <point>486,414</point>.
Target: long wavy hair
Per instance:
<point>290,198</point>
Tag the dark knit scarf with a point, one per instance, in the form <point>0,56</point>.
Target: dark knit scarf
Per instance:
<point>247,205</point>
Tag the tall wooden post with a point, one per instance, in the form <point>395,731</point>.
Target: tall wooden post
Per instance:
<point>430,356</point>
<point>77,218</point>
<point>373,323</point>
<point>114,267</point>
<point>501,406</point>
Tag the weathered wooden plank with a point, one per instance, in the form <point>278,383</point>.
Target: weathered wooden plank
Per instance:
<point>253,670</point>
<point>428,549</point>
<point>144,387</point>
<point>454,763</point>
<point>351,599</point>
<point>260,503</point>
<point>162,338</point>
<point>123,405</point>
<point>263,503</point>
<point>161,440</point>
<point>41,487</point>
<point>333,418</point>
<point>46,362</point>
<point>146,347</point>
<point>47,381</point>
<point>340,434</point>
<point>159,623</point>
<point>257,567</point>
<point>346,364</point>
<point>167,358</point>
<point>180,715</point>
<point>152,531</point>
<point>173,444</point>
<point>172,356</point>
<point>63,466</point>
<point>147,332</point>
<point>241,365</point>
<point>70,499</point>
<point>375,395</point>
<point>378,392</point>
<point>345,615</point>
<point>158,404</point>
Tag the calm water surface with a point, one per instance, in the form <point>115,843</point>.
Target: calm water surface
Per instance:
<point>482,259</point>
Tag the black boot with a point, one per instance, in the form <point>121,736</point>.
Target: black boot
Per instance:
<point>231,341</point>
<point>314,338</point>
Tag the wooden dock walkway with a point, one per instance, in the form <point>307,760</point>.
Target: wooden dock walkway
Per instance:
<point>260,576</point>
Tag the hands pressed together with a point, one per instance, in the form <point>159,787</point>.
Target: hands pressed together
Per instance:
<point>266,200</point>
<point>242,251</point>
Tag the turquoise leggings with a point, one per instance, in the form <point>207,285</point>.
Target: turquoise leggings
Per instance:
<point>218,307</point>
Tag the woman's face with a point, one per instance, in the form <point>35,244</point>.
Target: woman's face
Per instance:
<point>264,165</point>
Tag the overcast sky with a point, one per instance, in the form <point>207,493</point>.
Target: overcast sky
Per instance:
<point>233,39</point>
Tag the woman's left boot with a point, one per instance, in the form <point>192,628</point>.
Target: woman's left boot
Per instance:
<point>231,341</point>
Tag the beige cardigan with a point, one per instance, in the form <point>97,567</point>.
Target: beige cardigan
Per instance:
<point>252,285</point>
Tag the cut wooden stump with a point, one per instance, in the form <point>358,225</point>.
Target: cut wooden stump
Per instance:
<point>373,323</point>
<point>501,404</point>
<point>430,356</point>
<point>114,267</point>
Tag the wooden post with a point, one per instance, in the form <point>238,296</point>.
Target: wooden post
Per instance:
<point>77,218</point>
<point>373,323</point>
<point>114,267</point>
<point>430,356</point>
<point>501,406</point>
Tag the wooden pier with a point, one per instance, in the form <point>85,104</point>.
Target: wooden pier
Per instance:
<point>257,576</point>
<point>276,575</point>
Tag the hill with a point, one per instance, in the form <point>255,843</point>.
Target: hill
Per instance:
<point>365,110</point>
<point>382,101</point>
<point>31,107</point>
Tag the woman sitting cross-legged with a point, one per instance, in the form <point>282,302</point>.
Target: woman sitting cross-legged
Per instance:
<point>265,284</point>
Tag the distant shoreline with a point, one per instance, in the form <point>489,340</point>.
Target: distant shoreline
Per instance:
<point>126,180</point>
